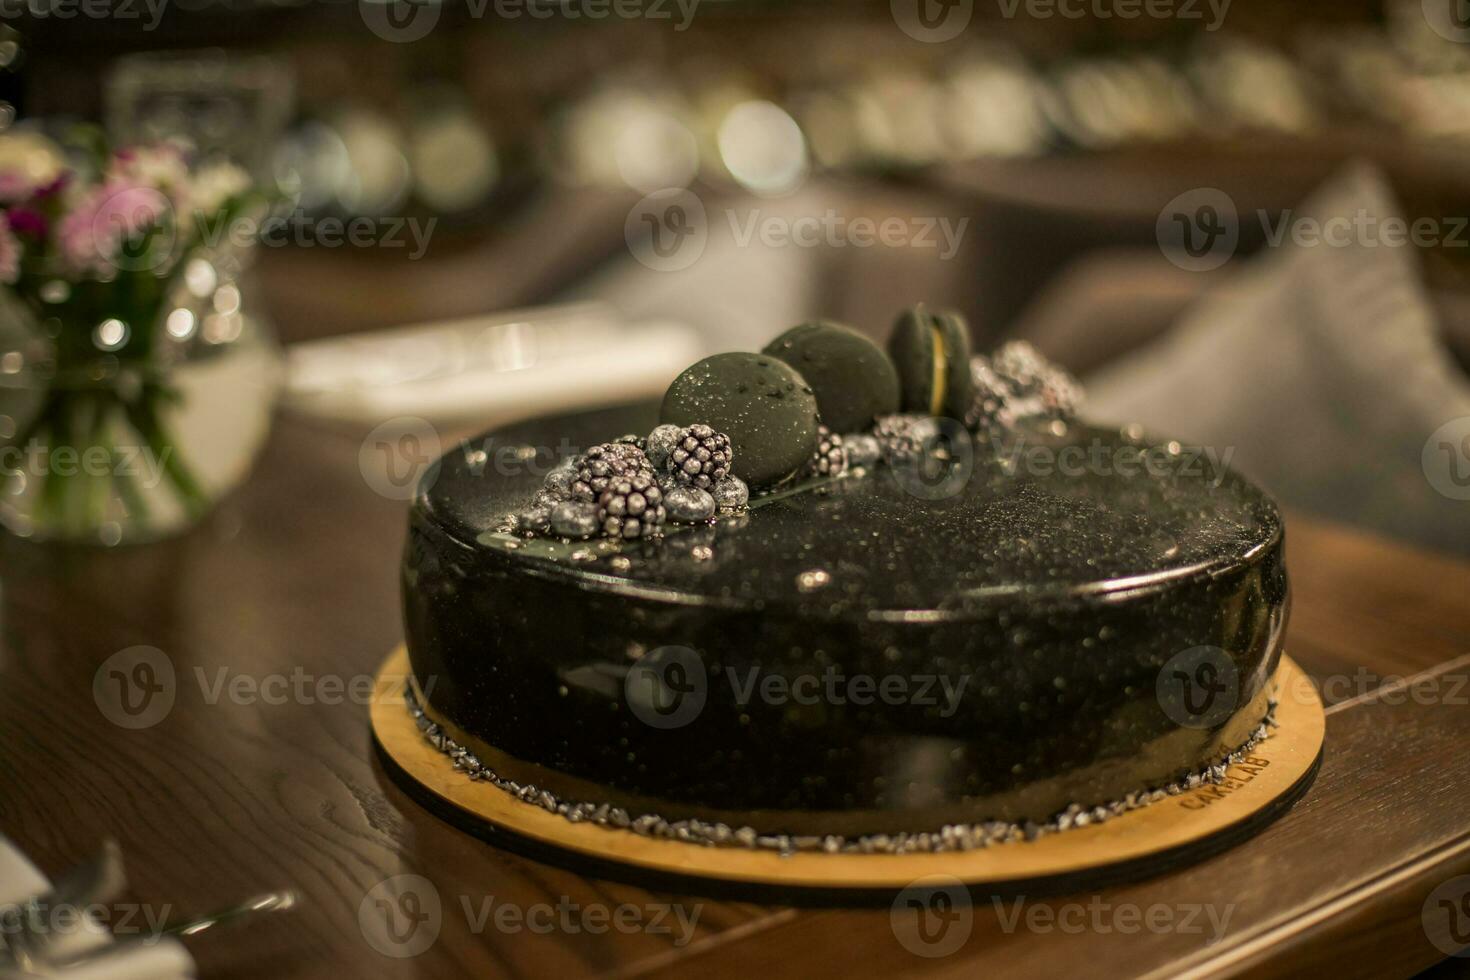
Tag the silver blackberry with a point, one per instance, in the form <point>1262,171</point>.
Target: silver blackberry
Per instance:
<point>701,458</point>
<point>603,464</point>
<point>991,412</point>
<point>1038,386</point>
<point>632,506</point>
<point>830,459</point>
<point>903,437</point>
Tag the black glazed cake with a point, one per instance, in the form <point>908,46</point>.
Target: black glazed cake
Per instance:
<point>864,652</point>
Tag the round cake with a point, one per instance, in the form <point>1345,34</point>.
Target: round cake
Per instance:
<point>856,658</point>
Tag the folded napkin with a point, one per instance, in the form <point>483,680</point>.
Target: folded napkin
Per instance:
<point>488,369</point>
<point>165,959</point>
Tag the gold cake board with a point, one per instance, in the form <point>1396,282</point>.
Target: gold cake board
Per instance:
<point>1173,831</point>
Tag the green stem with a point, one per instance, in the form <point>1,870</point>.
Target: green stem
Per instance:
<point>123,482</point>
<point>53,484</point>
<point>143,415</point>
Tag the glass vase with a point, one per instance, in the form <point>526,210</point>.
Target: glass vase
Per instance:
<point>129,428</point>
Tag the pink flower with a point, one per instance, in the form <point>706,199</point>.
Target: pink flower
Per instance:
<point>26,220</point>
<point>54,186</point>
<point>14,186</point>
<point>9,256</point>
<point>92,233</point>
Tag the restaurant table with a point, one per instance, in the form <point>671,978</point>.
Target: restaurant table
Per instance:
<point>261,775</point>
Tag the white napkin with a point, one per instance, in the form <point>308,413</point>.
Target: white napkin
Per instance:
<point>489,369</point>
<point>165,959</point>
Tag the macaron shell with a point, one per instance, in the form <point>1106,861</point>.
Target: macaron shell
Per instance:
<point>911,345</point>
<point>852,378</point>
<point>958,386</point>
<point>764,406</point>
<point>930,386</point>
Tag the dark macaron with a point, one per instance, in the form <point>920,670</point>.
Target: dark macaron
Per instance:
<point>853,379</point>
<point>932,353</point>
<point>762,404</point>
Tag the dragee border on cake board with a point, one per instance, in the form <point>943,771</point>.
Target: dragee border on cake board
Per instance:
<point>1142,835</point>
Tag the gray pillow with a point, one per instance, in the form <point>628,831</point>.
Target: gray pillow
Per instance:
<point>1323,370</point>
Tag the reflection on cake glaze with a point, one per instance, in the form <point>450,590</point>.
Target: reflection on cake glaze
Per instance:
<point>1052,601</point>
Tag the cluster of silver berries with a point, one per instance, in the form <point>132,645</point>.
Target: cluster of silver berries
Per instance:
<point>700,458</point>
<point>631,506</point>
<point>1016,382</point>
<point>631,487</point>
<point>830,459</point>
<point>603,464</point>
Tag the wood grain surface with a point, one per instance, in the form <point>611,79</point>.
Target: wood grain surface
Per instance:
<point>261,775</point>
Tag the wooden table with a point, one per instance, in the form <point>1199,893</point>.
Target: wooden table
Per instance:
<point>292,586</point>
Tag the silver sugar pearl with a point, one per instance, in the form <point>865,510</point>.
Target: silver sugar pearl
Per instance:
<point>862,450</point>
<point>574,519</point>
<point>559,480</point>
<point>534,519</point>
<point>731,493</point>
<point>689,505</point>
<point>661,442</point>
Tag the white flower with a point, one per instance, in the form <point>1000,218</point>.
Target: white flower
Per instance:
<point>215,184</point>
<point>28,160</point>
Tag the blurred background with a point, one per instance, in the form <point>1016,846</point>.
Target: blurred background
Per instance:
<point>1242,223</point>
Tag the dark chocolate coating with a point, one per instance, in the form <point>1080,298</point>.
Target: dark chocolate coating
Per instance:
<point>761,403</point>
<point>1061,597</point>
<point>919,336</point>
<point>853,379</point>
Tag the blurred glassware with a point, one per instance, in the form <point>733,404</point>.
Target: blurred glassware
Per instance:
<point>1248,85</point>
<point>378,177</point>
<point>993,108</point>
<point>222,104</point>
<point>626,134</point>
<point>310,166</point>
<point>79,466</point>
<point>451,153</point>
<point>763,148</point>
